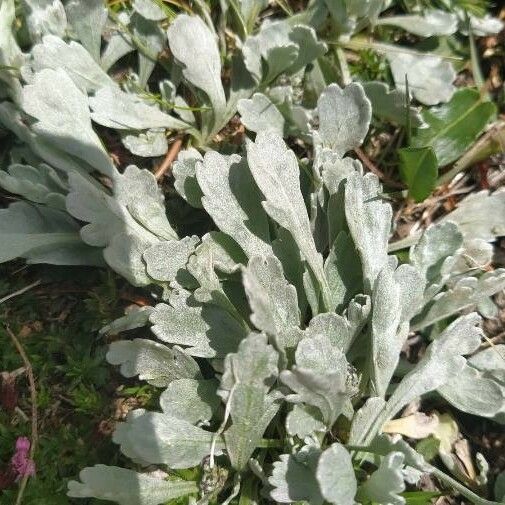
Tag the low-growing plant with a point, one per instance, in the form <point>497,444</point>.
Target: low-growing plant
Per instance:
<point>280,333</point>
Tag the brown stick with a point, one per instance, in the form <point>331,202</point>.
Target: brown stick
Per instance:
<point>371,166</point>
<point>169,159</point>
<point>33,395</point>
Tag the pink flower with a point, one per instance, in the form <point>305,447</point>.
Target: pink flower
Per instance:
<point>20,462</point>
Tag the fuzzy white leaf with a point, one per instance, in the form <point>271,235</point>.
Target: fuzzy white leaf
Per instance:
<point>87,19</point>
<point>233,201</point>
<point>259,114</point>
<point>431,23</point>
<point>430,77</point>
<point>304,420</point>
<point>127,487</point>
<point>44,17</point>
<point>149,9</point>
<point>344,117</point>
<point>150,144</point>
<point>184,170</point>
<point>153,362</point>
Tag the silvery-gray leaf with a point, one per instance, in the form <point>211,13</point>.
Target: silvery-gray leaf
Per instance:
<point>184,171</point>
<point>476,254</point>
<point>162,439</point>
<point>467,292</point>
<point>14,120</point>
<point>255,364</point>
<point>258,114</point>
<point>10,53</point>
<point>430,77</point>
<point>64,118</point>
<point>275,170</point>
<point>124,255</point>
<point>431,23</point>
<point>119,45</point>
<point>165,259</point>
<point>272,299</point>
<point>233,201</point>
<point>138,191</point>
<point>335,475</point>
<point>194,46</point>
<point>87,20</point>
<point>386,483</point>
<point>390,104</point>
<point>251,411</point>
<point>153,362</point>
<point>125,111</point>
<point>485,26</point>
<point>304,420</point>
<point>344,117</point>
<point>480,215</point>
<point>357,314</point>
<point>286,250</point>
<point>328,392</point>
<point>250,10</point>
<point>190,399</point>
<point>40,185</point>
<point>242,84</point>
<point>343,271</point>
<point>369,221</point>
<point>84,71</point>
<point>41,234</point>
<point>207,330</point>
<point>332,326</point>
<point>475,392</point>
<point>44,17</point>
<point>293,477</point>
<point>490,360</point>
<point>438,243</point>
<point>334,169</point>
<point>126,487</point>
<point>151,36</point>
<point>150,144</point>
<point>344,23</point>
<point>442,361</point>
<point>309,48</point>
<point>136,318</point>
<point>149,9</point>
<point>365,418</point>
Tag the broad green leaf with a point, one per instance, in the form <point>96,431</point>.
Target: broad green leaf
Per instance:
<point>294,477</point>
<point>369,221</point>
<point>125,111</point>
<point>40,185</point>
<point>127,487</point>
<point>430,77</point>
<point>453,127</point>
<point>41,234</point>
<point>335,475</point>
<point>259,114</point>
<point>191,400</point>
<point>162,439</point>
<point>419,170</point>
<point>87,20</point>
<point>431,23</point>
<point>44,17</point>
<point>390,104</point>
<point>386,483</point>
<point>344,117</point>
<point>273,300</point>
<point>64,118</point>
<point>153,362</point>
<point>194,46</point>
<point>205,330</point>
<point>84,71</point>
<point>275,170</point>
<point>232,200</point>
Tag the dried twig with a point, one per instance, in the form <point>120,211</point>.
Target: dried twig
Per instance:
<point>371,166</point>
<point>33,395</point>
<point>19,291</point>
<point>169,159</point>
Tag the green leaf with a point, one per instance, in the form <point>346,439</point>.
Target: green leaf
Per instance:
<point>453,127</point>
<point>127,487</point>
<point>419,170</point>
<point>420,497</point>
